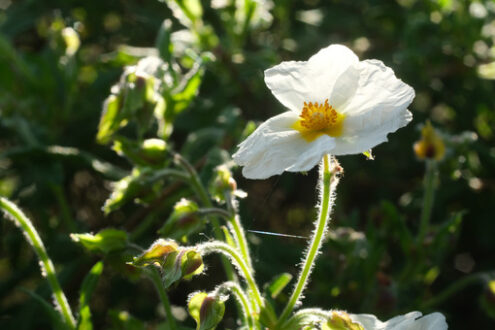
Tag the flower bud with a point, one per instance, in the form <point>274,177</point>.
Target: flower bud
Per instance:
<point>431,145</point>
<point>222,183</point>
<point>206,310</point>
<point>181,265</point>
<point>176,263</point>
<point>183,221</point>
<point>156,254</point>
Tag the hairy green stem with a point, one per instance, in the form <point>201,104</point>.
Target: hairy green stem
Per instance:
<point>47,268</point>
<point>429,186</point>
<point>245,271</point>
<point>241,297</point>
<point>329,182</point>
<point>238,230</point>
<point>205,199</point>
<point>157,281</point>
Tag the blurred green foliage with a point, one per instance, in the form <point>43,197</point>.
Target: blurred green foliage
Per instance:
<point>96,96</point>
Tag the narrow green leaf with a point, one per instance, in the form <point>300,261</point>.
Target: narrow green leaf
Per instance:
<point>278,284</point>
<point>87,288</point>
<point>105,241</point>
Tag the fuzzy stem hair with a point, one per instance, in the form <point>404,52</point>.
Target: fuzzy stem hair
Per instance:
<point>329,180</point>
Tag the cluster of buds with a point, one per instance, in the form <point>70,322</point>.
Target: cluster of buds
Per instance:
<point>175,262</point>
<point>224,183</point>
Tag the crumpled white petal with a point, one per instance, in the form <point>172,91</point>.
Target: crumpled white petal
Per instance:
<point>378,107</point>
<point>294,83</point>
<point>409,321</point>
<point>275,147</point>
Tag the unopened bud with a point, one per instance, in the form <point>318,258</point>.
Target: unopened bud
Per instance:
<point>154,150</point>
<point>183,221</point>
<point>181,265</point>
<point>157,253</point>
<point>223,182</point>
<point>206,310</point>
<point>431,145</point>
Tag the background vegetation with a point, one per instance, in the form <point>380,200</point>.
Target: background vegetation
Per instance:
<point>58,158</point>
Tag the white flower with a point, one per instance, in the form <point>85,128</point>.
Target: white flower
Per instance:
<point>338,105</point>
<point>409,321</point>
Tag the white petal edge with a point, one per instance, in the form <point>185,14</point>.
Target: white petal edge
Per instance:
<point>409,321</point>
<point>378,107</point>
<point>274,147</point>
<point>378,88</point>
<point>294,83</point>
<point>375,128</point>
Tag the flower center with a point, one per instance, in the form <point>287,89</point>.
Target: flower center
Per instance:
<point>318,119</point>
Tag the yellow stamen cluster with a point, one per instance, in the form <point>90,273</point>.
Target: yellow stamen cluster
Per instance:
<point>318,116</point>
<point>317,119</point>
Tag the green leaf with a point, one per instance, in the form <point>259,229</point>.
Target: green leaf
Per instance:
<point>187,89</point>
<point>87,288</point>
<point>278,284</point>
<point>106,241</point>
<point>188,12</point>
<point>110,119</point>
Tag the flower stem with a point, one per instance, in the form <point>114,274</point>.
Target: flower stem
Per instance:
<point>329,182</point>
<point>237,229</point>
<point>47,268</point>
<point>429,183</point>
<point>157,281</point>
<point>227,250</point>
<point>205,199</point>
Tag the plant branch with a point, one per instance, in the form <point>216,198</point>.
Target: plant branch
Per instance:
<point>47,268</point>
